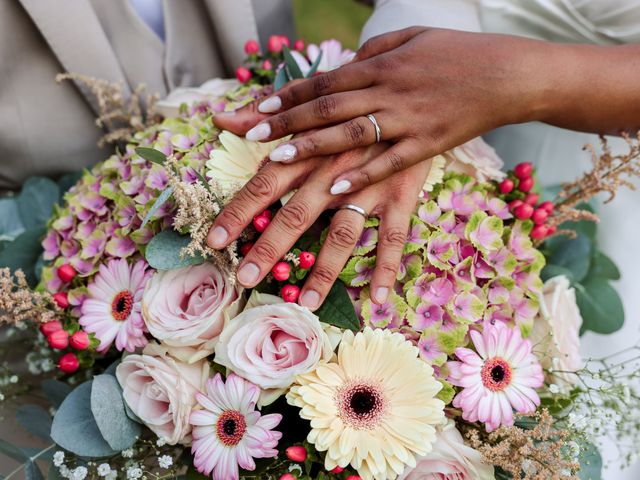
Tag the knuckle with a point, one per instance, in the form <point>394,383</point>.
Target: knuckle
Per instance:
<point>342,235</point>
<point>282,122</point>
<point>323,83</point>
<point>324,274</point>
<point>262,185</point>
<point>265,251</point>
<point>310,145</point>
<point>368,46</point>
<point>393,237</point>
<point>234,216</point>
<point>395,161</point>
<point>387,268</point>
<point>290,96</point>
<point>325,107</point>
<point>295,215</point>
<point>354,132</point>
<point>384,63</point>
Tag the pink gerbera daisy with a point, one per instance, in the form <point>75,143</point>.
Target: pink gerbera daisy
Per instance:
<point>499,378</point>
<point>228,431</point>
<point>112,309</point>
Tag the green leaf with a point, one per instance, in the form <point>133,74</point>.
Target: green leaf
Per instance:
<point>163,251</point>
<point>68,180</point>
<point>290,64</point>
<point>10,222</point>
<point>603,266</point>
<point>54,473</point>
<point>152,155</point>
<point>203,181</point>
<point>600,306</point>
<point>13,452</point>
<point>74,427</point>
<point>338,310</point>
<point>315,65</point>
<point>161,200</point>
<point>108,407</point>
<point>590,463</point>
<point>36,200</point>
<point>574,255</point>
<point>32,472</point>
<point>55,391</point>
<point>23,253</point>
<point>35,420</point>
<point>281,79</point>
<point>550,270</point>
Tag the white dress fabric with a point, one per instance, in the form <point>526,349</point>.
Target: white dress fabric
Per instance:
<point>557,153</point>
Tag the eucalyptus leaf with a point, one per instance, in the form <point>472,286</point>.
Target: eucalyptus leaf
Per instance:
<point>68,180</point>
<point>36,200</point>
<point>600,306</point>
<point>36,420</point>
<point>108,407</point>
<point>54,473</point>
<point>23,253</point>
<point>590,463</point>
<point>111,369</point>
<point>163,251</point>
<point>290,64</point>
<point>314,67</point>
<point>338,310</point>
<point>75,429</point>
<point>550,270</point>
<point>281,79</point>
<point>12,451</point>
<point>574,255</point>
<point>161,200</point>
<point>32,472</point>
<point>603,266</point>
<point>55,391</point>
<point>10,221</point>
<point>152,155</point>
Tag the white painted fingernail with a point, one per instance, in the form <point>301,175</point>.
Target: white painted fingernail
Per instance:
<point>381,294</point>
<point>259,132</point>
<point>248,274</point>
<point>340,187</point>
<point>283,153</point>
<point>270,105</point>
<point>218,237</point>
<point>310,299</point>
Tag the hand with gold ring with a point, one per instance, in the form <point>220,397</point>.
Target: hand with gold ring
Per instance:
<point>392,201</point>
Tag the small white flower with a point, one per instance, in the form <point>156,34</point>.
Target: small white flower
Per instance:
<point>64,471</point>
<point>128,453</point>
<point>58,458</point>
<point>134,473</point>
<point>1,397</point>
<point>104,469</point>
<point>165,461</point>
<point>13,379</point>
<point>161,442</point>
<point>553,388</point>
<point>113,475</point>
<point>79,473</point>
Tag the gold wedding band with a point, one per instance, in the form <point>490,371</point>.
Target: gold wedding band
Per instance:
<point>355,208</point>
<point>373,120</point>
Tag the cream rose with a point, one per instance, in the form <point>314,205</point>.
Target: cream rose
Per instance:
<point>209,90</point>
<point>161,390</point>
<point>186,307</point>
<point>477,159</point>
<point>271,342</point>
<point>556,331</point>
<point>450,459</point>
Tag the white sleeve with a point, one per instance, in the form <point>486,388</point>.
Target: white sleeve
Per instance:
<point>390,15</point>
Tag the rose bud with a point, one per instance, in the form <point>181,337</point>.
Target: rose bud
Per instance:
<point>523,170</point>
<point>506,186</point>
<point>243,74</point>
<point>58,339</point>
<point>526,185</point>
<point>296,453</point>
<point>245,248</point>
<point>307,259</point>
<point>79,340</point>
<point>281,271</point>
<point>531,199</point>
<point>61,299</point>
<point>66,273</point>
<point>290,293</point>
<point>298,45</point>
<point>539,231</point>
<point>251,47</point>
<point>68,363</point>
<point>539,216</point>
<point>275,44</point>
<point>548,206</point>
<point>49,327</point>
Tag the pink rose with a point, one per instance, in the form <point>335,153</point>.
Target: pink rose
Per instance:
<point>477,159</point>
<point>271,342</point>
<point>450,459</point>
<point>186,307</point>
<point>161,390</point>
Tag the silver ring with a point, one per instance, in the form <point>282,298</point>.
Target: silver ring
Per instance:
<point>355,208</point>
<point>373,120</point>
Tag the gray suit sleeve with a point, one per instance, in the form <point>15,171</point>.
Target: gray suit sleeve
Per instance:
<point>390,15</point>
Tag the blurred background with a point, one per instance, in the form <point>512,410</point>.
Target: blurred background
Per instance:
<point>319,20</point>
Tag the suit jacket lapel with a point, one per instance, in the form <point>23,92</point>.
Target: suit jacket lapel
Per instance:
<point>76,37</point>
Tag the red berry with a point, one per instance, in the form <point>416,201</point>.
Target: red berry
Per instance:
<point>353,477</point>
<point>58,339</point>
<point>337,470</point>
<point>548,206</point>
<point>515,204</point>
<point>551,229</point>
<point>266,213</point>
<point>68,363</point>
<point>290,293</point>
<point>506,186</point>
<point>66,273</point>
<point>524,211</point>
<point>287,476</point>
<point>281,271</point>
<point>526,184</point>
<point>266,65</point>
<point>243,74</point>
<point>261,223</point>
<point>539,231</point>
<point>79,340</point>
<point>539,216</point>
<point>531,199</point>
<point>285,40</point>
<point>245,248</point>
<point>251,47</point>
<point>61,299</point>
<point>275,44</point>
<point>296,453</point>
<point>49,327</point>
<point>307,259</point>
<point>523,170</point>
<point>298,45</point>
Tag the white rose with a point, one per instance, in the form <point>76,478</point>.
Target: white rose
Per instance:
<point>161,390</point>
<point>477,159</point>
<point>209,90</point>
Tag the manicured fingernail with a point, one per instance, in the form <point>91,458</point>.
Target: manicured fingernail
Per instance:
<point>381,294</point>
<point>270,105</point>
<point>218,237</point>
<point>248,274</point>
<point>259,132</point>
<point>283,153</point>
<point>340,187</point>
<point>310,299</point>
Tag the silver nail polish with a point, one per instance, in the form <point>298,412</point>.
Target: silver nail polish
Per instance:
<point>270,105</point>
<point>340,187</point>
<point>259,132</point>
<point>283,153</point>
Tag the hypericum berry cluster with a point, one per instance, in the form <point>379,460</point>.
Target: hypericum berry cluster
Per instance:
<point>516,190</point>
<point>260,68</point>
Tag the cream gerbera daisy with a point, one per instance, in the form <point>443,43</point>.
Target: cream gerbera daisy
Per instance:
<point>375,408</point>
<point>238,160</point>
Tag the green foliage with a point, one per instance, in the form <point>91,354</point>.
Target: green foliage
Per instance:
<point>164,251</point>
<point>152,155</point>
<point>161,200</point>
<point>600,306</point>
<point>23,253</point>
<point>36,200</point>
<point>590,463</point>
<point>338,310</point>
<point>55,391</point>
<point>35,420</point>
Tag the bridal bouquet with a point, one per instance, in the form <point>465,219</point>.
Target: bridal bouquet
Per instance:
<point>158,365</point>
